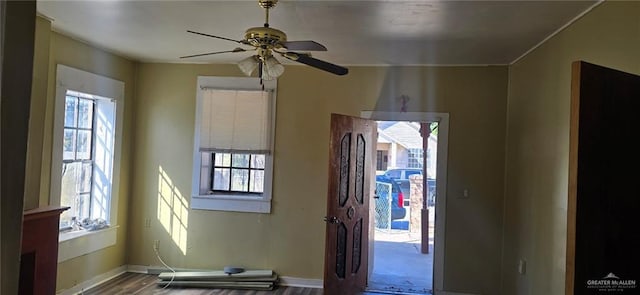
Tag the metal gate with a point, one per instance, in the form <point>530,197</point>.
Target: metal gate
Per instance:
<point>383,205</point>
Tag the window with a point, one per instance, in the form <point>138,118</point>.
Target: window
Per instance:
<point>86,147</point>
<point>233,145</point>
<point>77,160</point>
<point>381,160</point>
<point>241,173</point>
<point>415,158</point>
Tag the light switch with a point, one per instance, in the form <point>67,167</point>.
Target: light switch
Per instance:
<point>522,266</point>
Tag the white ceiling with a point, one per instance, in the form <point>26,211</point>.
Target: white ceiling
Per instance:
<point>355,32</point>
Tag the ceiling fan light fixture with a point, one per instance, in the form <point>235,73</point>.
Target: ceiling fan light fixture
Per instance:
<point>267,77</point>
<point>273,67</point>
<point>248,65</point>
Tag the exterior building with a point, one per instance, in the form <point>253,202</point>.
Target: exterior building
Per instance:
<point>400,146</point>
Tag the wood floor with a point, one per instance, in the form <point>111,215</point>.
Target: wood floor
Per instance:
<point>144,284</point>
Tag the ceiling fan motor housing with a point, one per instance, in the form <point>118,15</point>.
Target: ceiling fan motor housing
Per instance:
<point>267,3</point>
<point>265,36</point>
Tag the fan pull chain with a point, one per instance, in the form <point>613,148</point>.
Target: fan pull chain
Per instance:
<point>260,74</point>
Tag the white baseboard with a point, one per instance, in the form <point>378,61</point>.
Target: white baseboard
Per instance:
<point>300,282</point>
<point>99,279</point>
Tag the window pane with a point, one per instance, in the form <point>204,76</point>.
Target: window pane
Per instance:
<point>223,160</point>
<point>393,173</point>
<point>85,178</point>
<point>84,145</point>
<point>69,144</point>
<point>85,115</point>
<point>240,180</point>
<point>257,181</point>
<point>70,109</point>
<point>69,189</point>
<point>241,160</point>
<point>84,203</point>
<point>257,161</point>
<point>221,179</point>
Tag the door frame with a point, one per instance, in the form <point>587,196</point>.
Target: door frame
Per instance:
<point>441,180</point>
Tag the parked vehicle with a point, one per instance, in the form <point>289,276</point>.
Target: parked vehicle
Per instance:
<point>397,198</point>
<point>401,176</point>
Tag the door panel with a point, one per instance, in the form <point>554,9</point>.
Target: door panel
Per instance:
<point>602,234</point>
<point>347,242</point>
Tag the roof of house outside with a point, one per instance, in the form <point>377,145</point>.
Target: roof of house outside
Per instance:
<point>406,134</point>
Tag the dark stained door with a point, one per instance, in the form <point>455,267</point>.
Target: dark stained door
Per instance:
<point>603,240</point>
<point>350,174</point>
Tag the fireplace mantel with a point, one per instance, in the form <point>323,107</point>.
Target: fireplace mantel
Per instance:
<point>39,260</point>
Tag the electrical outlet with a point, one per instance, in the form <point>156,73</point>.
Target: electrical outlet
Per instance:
<point>147,223</point>
<point>156,245</point>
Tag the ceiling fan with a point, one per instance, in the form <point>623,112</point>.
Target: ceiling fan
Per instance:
<point>268,41</point>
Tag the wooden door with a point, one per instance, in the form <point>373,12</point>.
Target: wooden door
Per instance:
<point>602,235</point>
<point>350,174</point>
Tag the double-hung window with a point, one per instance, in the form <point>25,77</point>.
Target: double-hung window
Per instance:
<point>234,145</point>
<point>77,157</point>
<point>86,149</point>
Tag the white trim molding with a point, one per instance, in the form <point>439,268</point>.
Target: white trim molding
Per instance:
<point>556,32</point>
<point>441,180</point>
<point>68,78</point>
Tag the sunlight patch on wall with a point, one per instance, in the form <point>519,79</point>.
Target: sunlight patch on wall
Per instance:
<point>173,212</point>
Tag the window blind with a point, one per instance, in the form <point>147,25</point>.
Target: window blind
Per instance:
<point>235,121</point>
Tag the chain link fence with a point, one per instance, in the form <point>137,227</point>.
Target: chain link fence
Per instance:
<point>383,206</point>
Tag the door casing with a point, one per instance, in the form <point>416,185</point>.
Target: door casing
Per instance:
<point>441,183</point>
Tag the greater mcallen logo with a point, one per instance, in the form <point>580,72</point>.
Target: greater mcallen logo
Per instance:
<point>611,283</point>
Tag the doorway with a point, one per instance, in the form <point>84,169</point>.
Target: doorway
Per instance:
<point>407,236</point>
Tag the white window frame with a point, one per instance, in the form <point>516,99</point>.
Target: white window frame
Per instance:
<point>67,78</point>
<point>223,201</point>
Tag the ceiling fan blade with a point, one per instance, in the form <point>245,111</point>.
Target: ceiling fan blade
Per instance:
<point>304,46</point>
<point>218,37</point>
<point>237,49</point>
<point>316,63</point>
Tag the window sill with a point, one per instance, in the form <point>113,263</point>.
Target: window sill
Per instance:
<point>77,243</point>
<point>234,203</point>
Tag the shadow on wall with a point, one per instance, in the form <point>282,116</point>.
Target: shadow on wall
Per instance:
<point>408,89</point>
<point>173,210</point>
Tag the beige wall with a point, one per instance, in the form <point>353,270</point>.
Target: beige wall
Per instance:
<point>538,141</point>
<point>52,49</point>
<point>37,111</point>
<point>291,238</point>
